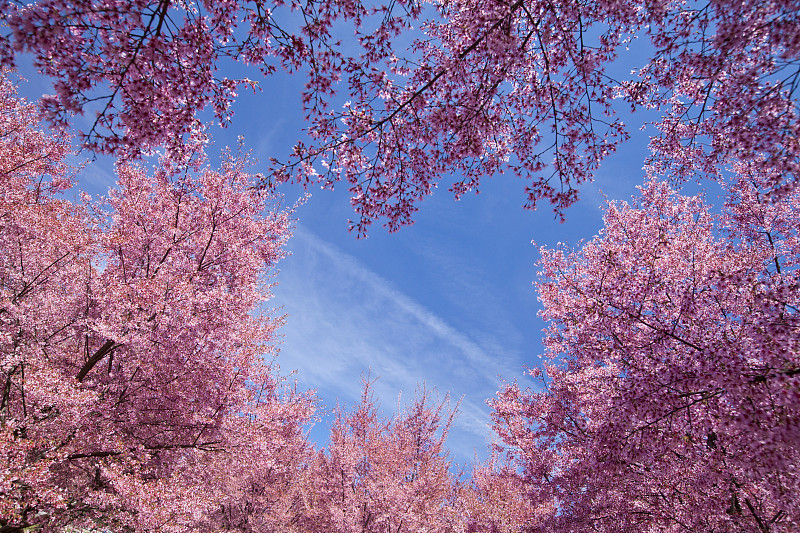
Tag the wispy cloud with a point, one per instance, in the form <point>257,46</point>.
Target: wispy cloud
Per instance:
<point>345,320</point>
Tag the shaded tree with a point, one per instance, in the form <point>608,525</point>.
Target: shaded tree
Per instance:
<point>672,393</point>
<point>478,88</point>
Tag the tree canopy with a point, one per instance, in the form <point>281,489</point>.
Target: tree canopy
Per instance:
<point>400,94</point>
<point>135,391</point>
<point>670,400</point>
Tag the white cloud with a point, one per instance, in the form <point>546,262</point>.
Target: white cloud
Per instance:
<point>345,320</point>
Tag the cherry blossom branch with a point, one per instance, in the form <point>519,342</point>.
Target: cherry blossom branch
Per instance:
<point>107,347</point>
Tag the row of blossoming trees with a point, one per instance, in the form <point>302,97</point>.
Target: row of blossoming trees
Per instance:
<point>135,392</point>
<point>137,389</point>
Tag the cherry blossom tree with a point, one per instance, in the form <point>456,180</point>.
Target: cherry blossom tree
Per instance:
<point>134,390</point>
<point>494,499</point>
<point>461,88</point>
<point>671,398</point>
<point>148,68</point>
<point>379,474</point>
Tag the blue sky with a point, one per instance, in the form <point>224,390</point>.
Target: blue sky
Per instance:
<point>447,302</point>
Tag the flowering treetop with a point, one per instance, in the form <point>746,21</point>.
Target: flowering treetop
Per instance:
<point>524,87</point>
<point>132,370</point>
<point>672,386</point>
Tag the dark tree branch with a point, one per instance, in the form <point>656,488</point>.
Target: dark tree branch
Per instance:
<point>104,350</point>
